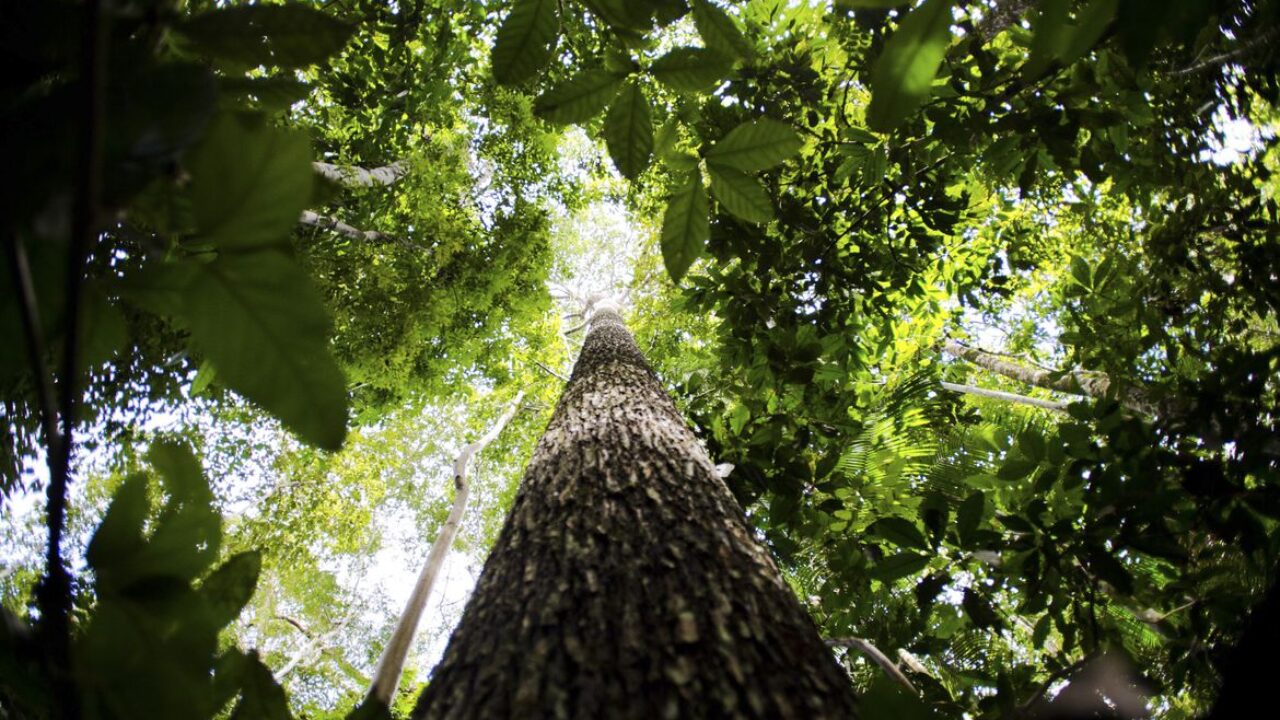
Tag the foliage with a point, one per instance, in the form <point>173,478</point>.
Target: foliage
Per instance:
<point>833,188</point>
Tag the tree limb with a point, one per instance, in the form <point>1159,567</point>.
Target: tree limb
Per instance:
<point>1055,405</point>
<point>1077,382</point>
<point>352,176</point>
<point>871,651</point>
<point>387,677</point>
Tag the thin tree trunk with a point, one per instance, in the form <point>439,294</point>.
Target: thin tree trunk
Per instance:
<point>334,224</point>
<point>1005,396</point>
<point>626,582</point>
<point>387,677</point>
<point>352,176</point>
<point>1095,385</point>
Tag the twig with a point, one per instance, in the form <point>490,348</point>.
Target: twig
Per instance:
<point>1216,60</point>
<point>551,372</point>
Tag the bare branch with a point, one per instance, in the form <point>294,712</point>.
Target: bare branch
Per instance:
<point>352,176</point>
<point>1055,405</point>
<point>871,651</point>
<point>387,677</point>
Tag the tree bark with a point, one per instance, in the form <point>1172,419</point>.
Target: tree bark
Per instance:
<point>352,176</point>
<point>1094,385</point>
<point>626,582</point>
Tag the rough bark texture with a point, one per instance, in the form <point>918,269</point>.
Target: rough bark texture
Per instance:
<point>626,582</point>
<point>353,176</point>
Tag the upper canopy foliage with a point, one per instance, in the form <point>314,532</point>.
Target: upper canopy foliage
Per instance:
<point>825,193</point>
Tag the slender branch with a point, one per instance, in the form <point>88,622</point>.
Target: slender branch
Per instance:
<point>326,222</point>
<point>387,677</point>
<point>551,372</point>
<point>1054,677</point>
<point>1055,405</point>
<point>352,176</point>
<point>314,647</point>
<point>1261,40</point>
<point>34,337</point>
<point>296,624</point>
<point>871,651</point>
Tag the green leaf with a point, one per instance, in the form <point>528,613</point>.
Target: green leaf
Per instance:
<point>228,589</point>
<point>269,93</point>
<point>526,40</point>
<point>290,35</point>
<point>264,327</point>
<point>579,98</point>
<point>1092,21</point>
<point>180,470</point>
<point>1106,567</point>
<point>980,610</point>
<point>741,194</point>
<point>755,145</point>
<point>119,535</point>
<point>969,515</point>
<point>691,69</point>
<point>1032,444</point>
<point>249,183</point>
<point>685,226</point>
<point>887,700</point>
<point>1052,32</point>
<point>899,531</point>
<point>899,566</point>
<point>719,31</point>
<point>628,131</point>
<point>189,530</point>
<point>1016,469</point>
<point>262,698</point>
<point>903,75</point>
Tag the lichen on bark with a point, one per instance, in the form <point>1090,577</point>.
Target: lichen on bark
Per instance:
<point>626,582</point>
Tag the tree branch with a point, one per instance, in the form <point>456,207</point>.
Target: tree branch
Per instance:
<point>871,651</point>
<point>1055,405</point>
<point>387,677</point>
<point>352,176</point>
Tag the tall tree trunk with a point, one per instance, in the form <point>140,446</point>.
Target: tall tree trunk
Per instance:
<point>1094,385</point>
<point>626,582</point>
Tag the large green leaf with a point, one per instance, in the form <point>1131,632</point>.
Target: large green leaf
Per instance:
<point>579,98</point>
<point>526,40</point>
<point>719,31</point>
<point>740,194</point>
<point>685,226</point>
<point>898,566</point>
<point>264,327</point>
<point>755,145</point>
<point>903,75</point>
<point>899,531</point>
<point>249,183</point>
<point>691,69</point>
<point>290,35</point>
<point>228,588</point>
<point>119,535</point>
<point>628,131</point>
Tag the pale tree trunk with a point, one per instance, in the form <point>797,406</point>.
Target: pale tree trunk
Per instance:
<point>387,677</point>
<point>626,582</point>
<point>1094,385</point>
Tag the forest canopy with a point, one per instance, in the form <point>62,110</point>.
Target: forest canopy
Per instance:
<point>974,302</point>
